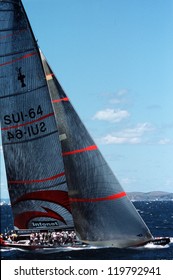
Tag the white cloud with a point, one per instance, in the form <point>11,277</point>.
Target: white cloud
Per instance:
<point>122,92</point>
<point>0,148</point>
<point>110,139</point>
<point>127,181</point>
<point>111,115</point>
<point>119,97</point>
<point>129,135</point>
<point>165,141</point>
<point>115,101</point>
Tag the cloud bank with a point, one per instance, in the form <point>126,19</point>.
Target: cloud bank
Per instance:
<point>111,115</point>
<point>128,136</point>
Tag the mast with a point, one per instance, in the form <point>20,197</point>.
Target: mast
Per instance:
<point>32,151</point>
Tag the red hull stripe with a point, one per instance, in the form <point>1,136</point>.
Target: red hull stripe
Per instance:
<point>89,148</point>
<point>60,100</point>
<point>19,58</point>
<point>37,181</point>
<point>24,124</point>
<point>110,197</point>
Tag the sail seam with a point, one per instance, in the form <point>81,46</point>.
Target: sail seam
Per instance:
<point>9,10</point>
<point>13,34</point>
<point>19,58</point>
<point>86,149</point>
<point>20,93</point>
<point>19,52</point>
<point>97,199</point>
<point>25,141</point>
<point>24,124</point>
<point>12,29</point>
<point>51,186</point>
<point>38,181</point>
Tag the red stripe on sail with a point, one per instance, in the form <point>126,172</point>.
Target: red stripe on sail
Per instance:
<point>21,220</point>
<point>37,181</point>
<point>89,148</point>
<point>24,124</point>
<point>19,58</point>
<point>53,196</point>
<point>110,197</point>
<point>60,100</point>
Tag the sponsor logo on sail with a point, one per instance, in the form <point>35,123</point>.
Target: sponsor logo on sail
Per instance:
<point>44,224</point>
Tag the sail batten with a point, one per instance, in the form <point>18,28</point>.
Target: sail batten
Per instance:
<point>31,122</point>
<point>18,58</point>
<point>30,140</point>
<point>19,52</point>
<point>25,92</point>
<point>38,180</point>
<point>86,149</point>
<point>97,199</point>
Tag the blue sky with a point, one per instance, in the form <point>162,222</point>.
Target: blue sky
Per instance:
<point>114,59</point>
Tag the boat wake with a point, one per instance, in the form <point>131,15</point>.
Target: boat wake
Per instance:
<point>151,246</point>
<point>62,249</point>
<point>52,249</point>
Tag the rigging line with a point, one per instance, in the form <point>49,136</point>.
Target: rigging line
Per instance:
<point>19,58</point>
<point>29,140</point>
<point>25,92</point>
<point>86,149</point>
<point>97,199</point>
<point>24,124</point>
<point>37,180</point>
<point>19,52</point>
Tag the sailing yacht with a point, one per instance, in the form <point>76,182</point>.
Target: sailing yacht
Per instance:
<point>57,177</point>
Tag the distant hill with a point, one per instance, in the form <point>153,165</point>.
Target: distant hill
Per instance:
<point>137,196</point>
<point>154,196</point>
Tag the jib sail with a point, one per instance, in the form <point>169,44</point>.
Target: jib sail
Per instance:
<point>103,215</point>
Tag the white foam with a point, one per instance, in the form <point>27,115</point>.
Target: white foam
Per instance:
<point>153,246</point>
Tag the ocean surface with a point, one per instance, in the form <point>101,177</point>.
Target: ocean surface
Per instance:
<point>158,215</point>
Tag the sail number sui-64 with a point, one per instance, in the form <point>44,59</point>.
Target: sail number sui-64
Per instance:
<point>27,128</point>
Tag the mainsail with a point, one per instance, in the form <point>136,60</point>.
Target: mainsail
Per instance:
<point>32,152</point>
<point>54,168</point>
<point>103,215</point>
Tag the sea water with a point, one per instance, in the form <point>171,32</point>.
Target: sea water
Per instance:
<point>158,215</point>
